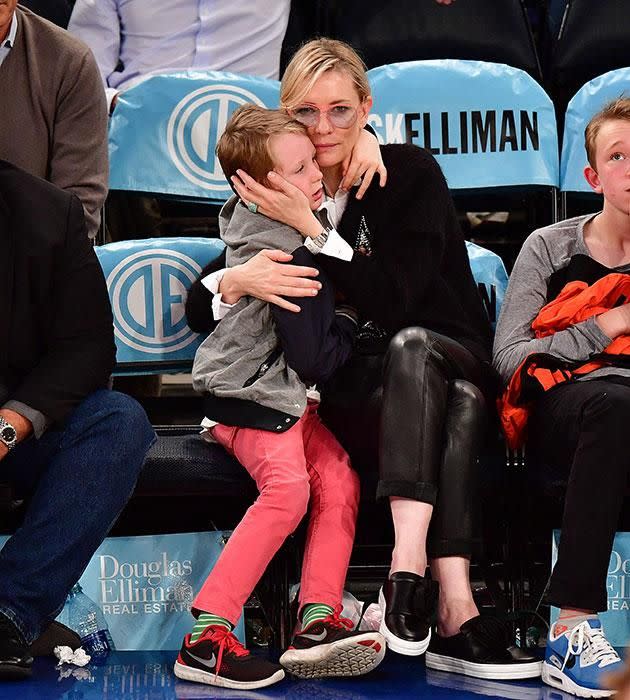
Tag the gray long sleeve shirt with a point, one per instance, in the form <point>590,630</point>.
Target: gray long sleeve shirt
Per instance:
<point>547,252</point>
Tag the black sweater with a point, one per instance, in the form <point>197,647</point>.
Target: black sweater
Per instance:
<point>418,273</point>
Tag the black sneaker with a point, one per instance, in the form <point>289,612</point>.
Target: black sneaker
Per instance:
<point>218,658</point>
<point>16,662</point>
<point>330,648</point>
<point>408,603</point>
<point>482,649</point>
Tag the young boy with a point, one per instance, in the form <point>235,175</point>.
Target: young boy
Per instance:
<point>566,310</point>
<point>257,371</point>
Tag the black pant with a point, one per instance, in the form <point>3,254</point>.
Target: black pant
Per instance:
<point>580,431</point>
<point>420,409</point>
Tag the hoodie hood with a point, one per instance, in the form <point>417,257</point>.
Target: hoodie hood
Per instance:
<point>246,233</point>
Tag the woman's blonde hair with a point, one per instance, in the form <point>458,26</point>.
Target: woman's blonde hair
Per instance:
<point>313,60</point>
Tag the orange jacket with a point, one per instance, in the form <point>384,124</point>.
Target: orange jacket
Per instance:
<point>541,371</point>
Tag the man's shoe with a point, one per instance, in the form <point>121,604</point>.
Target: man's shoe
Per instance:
<point>482,649</point>
<point>16,662</point>
<point>330,648</point>
<point>55,635</point>
<point>218,658</point>
<point>577,660</point>
<point>408,603</point>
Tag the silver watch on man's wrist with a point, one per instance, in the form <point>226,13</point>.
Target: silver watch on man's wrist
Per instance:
<point>316,244</point>
<point>8,434</point>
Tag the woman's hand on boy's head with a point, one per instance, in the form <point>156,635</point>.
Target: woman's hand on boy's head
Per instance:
<point>284,203</point>
<point>364,161</point>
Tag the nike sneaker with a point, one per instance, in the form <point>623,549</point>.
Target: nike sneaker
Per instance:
<point>578,660</point>
<point>331,648</point>
<point>218,658</point>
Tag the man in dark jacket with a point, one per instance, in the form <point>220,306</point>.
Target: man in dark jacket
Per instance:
<point>68,446</point>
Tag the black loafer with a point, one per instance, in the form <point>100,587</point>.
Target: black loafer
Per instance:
<point>16,661</point>
<point>408,603</point>
<point>482,649</point>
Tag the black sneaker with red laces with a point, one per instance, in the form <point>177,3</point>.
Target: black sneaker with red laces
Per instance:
<point>218,658</point>
<point>332,648</point>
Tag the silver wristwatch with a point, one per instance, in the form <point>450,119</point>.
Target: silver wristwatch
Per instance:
<point>315,245</point>
<point>8,434</point>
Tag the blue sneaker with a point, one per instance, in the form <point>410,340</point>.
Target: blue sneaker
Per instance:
<point>577,660</point>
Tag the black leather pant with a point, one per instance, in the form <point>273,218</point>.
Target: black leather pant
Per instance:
<point>419,407</point>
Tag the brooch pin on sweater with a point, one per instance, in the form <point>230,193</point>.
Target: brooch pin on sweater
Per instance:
<point>363,243</point>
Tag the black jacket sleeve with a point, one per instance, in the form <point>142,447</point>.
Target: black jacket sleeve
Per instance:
<point>315,341</point>
<point>79,351</point>
<point>199,300</point>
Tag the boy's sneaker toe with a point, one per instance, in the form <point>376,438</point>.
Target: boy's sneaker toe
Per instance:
<point>218,658</point>
<point>578,660</point>
<point>330,648</point>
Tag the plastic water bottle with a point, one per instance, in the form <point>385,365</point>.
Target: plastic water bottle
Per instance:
<point>83,615</point>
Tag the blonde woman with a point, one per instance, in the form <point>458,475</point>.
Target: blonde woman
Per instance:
<point>412,395</point>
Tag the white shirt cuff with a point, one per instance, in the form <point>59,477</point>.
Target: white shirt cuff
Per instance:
<point>211,282</point>
<point>335,246</point>
<point>110,93</point>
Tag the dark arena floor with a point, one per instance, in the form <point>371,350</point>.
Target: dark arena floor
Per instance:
<point>148,675</point>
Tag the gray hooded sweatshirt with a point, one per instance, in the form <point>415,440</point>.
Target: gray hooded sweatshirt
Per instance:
<point>242,358</point>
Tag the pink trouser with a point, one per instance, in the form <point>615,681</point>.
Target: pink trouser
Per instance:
<point>305,462</point>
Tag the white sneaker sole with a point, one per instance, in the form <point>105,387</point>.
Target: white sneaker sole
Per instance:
<point>496,672</point>
<point>400,646</point>
<point>187,673</point>
<point>355,656</point>
<point>557,679</point>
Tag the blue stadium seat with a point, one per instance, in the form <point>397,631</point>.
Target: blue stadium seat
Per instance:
<point>164,131</point>
<point>492,129</point>
<point>491,277</point>
<point>488,125</point>
<point>147,282</point>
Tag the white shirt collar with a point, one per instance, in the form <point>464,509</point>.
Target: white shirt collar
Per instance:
<point>336,204</point>
<point>9,40</point>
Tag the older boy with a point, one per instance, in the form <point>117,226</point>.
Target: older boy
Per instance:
<point>564,336</point>
<point>256,371</point>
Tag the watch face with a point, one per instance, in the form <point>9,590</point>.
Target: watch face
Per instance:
<point>7,434</point>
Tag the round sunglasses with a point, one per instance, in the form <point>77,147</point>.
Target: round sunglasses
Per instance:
<point>340,116</point>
